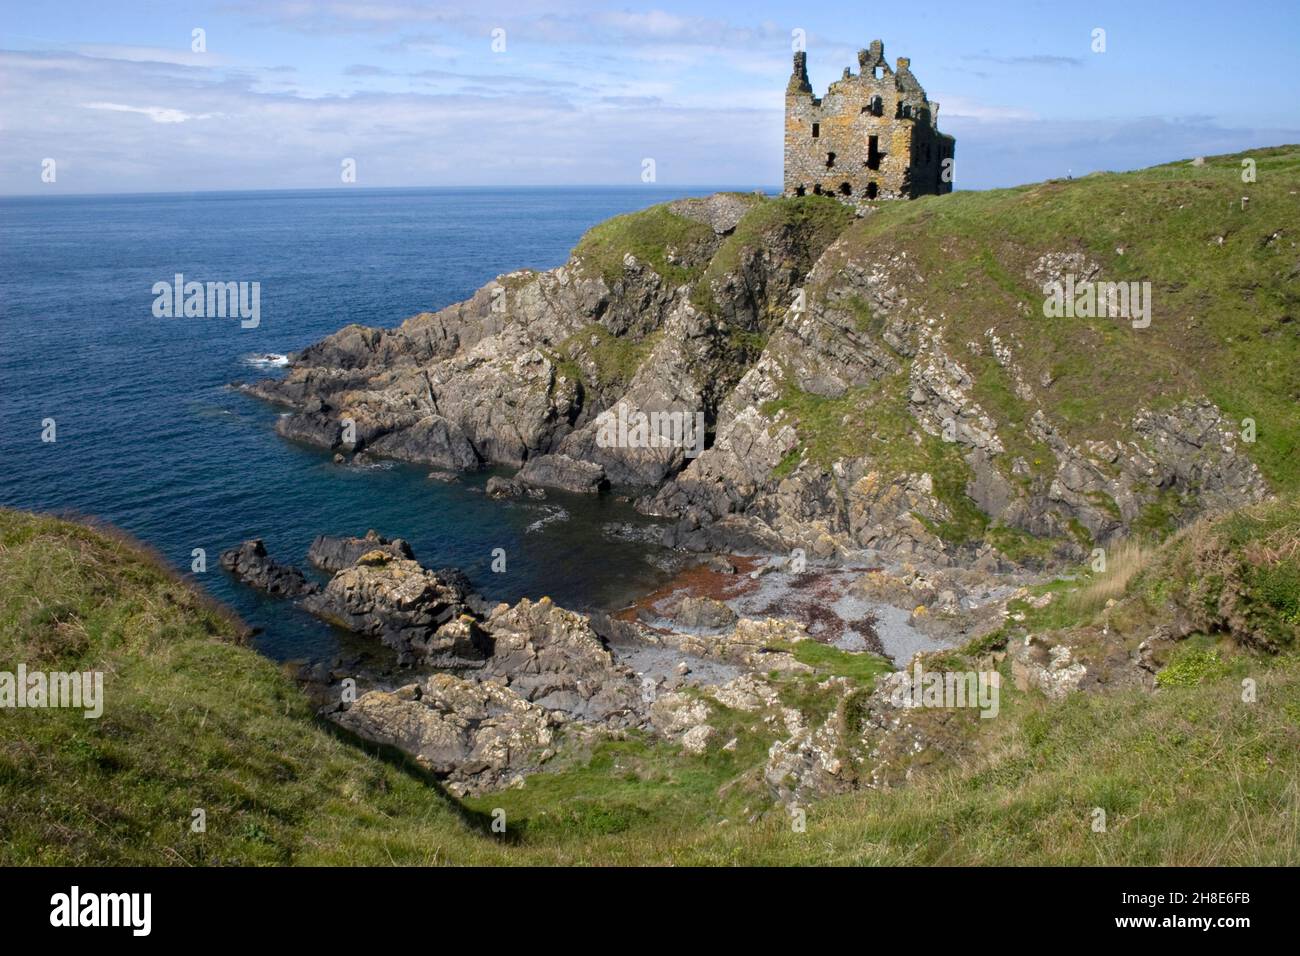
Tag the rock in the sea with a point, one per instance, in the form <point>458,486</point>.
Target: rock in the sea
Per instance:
<point>561,471</point>
<point>498,487</point>
<point>406,606</point>
<point>253,566</point>
<point>311,428</point>
<point>334,553</point>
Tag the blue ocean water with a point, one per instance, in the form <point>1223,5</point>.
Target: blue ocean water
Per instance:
<point>151,438</point>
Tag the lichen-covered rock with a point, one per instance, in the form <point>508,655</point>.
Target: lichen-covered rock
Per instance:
<point>696,740</point>
<point>702,612</point>
<point>1049,668</point>
<point>672,715</point>
<point>404,605</point>
<point>551,656</point>
<point>747,693</point>
<point>761,645</point>
<point>869,741</point>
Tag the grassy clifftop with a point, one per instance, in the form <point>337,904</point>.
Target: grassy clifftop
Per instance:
<point>192,720</point>
<point>1225,279</point>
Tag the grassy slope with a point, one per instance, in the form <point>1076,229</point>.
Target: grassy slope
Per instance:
<point>1190,775</point>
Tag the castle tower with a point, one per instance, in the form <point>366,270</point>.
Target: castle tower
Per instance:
<point>873,135</point>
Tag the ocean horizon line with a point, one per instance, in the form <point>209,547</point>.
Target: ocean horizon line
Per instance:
<point>343,189</point>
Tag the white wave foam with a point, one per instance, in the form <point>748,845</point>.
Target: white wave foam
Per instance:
<point>267,360</point>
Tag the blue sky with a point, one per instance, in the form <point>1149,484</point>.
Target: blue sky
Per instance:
<point>582,93</point>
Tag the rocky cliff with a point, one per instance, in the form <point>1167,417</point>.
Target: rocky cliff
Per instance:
<point>886,381</point>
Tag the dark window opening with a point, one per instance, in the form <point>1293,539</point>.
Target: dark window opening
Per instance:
<point>874,154</point>
<point>817,130</point>
<point>872,190</point>
<point>801,191</point>
<point>846,189</point>
<point>830,160</point>
<point>817,190</point>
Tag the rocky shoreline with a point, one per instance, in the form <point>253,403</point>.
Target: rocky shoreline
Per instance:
<point>483,695</point>
<point>783,326</point>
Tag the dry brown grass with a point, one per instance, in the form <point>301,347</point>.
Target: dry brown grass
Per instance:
<point>1123,562</point>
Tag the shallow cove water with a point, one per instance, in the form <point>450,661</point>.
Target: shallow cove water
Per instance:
<point>151,438</point>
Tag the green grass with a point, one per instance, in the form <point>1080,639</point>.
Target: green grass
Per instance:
<point>653,236</point>
<point>804,226</point>
<point>616,359</point>
<point>1190,666</point>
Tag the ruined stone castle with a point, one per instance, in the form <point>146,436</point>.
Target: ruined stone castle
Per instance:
<point>872,136</point>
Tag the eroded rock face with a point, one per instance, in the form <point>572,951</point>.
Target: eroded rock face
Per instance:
<point>561,471</point>
<point>478,735</point>
<point>253,566</point>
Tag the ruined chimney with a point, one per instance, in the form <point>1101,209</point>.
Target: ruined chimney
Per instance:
<point>799,76</point>
<point>904,64</point>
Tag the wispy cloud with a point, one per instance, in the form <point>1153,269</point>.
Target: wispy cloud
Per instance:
<point>1037,59</point>
<point>159,114</point>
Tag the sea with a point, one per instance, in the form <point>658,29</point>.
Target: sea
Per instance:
<point>150,436</point>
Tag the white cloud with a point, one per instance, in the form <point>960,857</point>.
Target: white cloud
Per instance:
<point>159,114</point>
<point>151,54</point>
<point>952,107</point>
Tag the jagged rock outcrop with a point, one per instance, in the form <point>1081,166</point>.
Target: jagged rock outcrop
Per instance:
<point>758,644</point>
<point>408,607</point>
<point>253,566</point>
<point>477,735</point>
<point>552,657</point>
<point>334,553</point>
<point>703,613</point>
